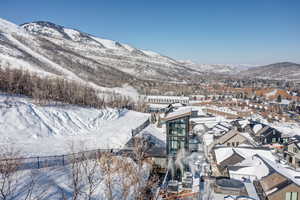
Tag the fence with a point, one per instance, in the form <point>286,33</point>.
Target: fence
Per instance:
<point>137,130</point>
<point>39,162</point>
<point>61,160</point>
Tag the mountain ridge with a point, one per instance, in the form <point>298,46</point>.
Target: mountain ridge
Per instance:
<point>280,70</point>
<point>53,50</point>
<point>69,48</point>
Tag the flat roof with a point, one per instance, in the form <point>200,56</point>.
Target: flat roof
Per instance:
<point>168,97</point>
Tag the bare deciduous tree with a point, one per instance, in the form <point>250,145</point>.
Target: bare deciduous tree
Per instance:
<point>43,90</point>
<point>108,169</point>
<point>8,173</point>
<point>91,174</point>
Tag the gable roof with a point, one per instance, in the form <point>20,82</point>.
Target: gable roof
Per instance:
<point>251,166</point>
<point>232,133</point>
<point>227,136</point>
<point>290,174</point>
<point>261,131</point>
<point>232,159</point>
<point>223,153</point>
<point>296,143</point>
<point>267,130</point>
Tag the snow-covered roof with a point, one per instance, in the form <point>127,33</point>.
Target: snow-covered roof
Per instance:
<point>287,172</point>
<point>178,113</point>
<point>158,105</point>
<point>225,152</point>
<point>222,154</point>
<point>218,126</point>
<point>168,97</point>
<point>291,129</point>
<point>205,120</point>
<point>225,124</point>
<point>199,109</point>
<point>156,134</point>
<point>243,123</point>
<point>257,127</point>
<point>248,137</point>
<point>252,166</point>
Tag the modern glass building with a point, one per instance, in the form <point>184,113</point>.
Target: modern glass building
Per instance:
<point>177,135</point>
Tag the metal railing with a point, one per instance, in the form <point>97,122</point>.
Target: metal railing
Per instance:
<point>137,130</point>
<point>39,162</point>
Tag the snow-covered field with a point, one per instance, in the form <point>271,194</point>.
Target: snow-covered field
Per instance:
<point>92,178</point>
<point>51,129</point>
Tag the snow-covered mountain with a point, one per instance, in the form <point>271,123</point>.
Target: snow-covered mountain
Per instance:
<point>54,50</point>
<point>217,68</point>
<point>283,70</point>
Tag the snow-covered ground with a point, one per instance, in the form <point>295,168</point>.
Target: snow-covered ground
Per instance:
<point>51,129</point>
<point>56,183</point>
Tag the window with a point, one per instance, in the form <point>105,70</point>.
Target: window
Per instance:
<point>274,140</point>
<point>177,135</point>
<point>291,196</point>
<point>295,150</point>
<point>285,140</point>
<point>181,144</point>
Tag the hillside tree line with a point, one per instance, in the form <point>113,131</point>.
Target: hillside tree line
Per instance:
<point>48,89</point>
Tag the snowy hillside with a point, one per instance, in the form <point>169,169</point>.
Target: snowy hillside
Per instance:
<point>50,130</point>
<point>284,70</point>
<point>54,50</point>
<point>217,68</point>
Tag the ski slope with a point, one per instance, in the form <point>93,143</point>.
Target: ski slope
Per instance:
<point>53,129</point>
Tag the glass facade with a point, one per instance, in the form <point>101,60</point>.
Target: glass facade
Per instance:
<point>177,135</point>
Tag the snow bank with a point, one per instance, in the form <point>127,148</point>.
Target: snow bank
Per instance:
<point>50,130</point>
<point>54,182</point>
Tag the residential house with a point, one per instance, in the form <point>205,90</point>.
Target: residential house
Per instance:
<point>264,134</point>
<point>292,153</point>
<point>234,138</point>
<point>224,158</point>
<point>280,184</point>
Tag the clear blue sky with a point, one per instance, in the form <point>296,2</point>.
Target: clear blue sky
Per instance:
<point>223,31</point>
